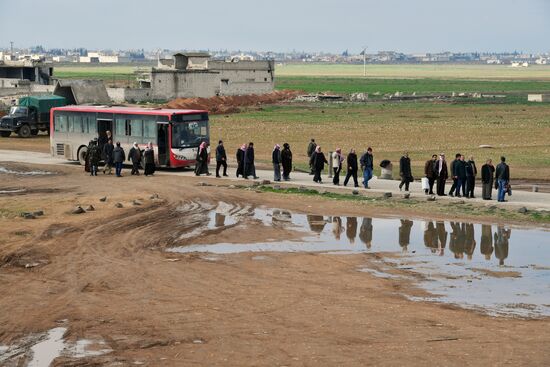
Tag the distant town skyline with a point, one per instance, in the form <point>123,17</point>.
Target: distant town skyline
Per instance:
<point>398,25</point>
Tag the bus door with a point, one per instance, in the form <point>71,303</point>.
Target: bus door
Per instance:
<point>163,144</point>
<point>102,127</point>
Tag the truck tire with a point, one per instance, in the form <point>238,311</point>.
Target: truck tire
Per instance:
<point>5,134</point>
<point>82,155</point>
<point>34,132</point>
<point>24,131</point>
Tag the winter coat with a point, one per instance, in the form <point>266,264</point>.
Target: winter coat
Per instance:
<point>311,149</point>
<point>108,153</point>
<point>352,162</point>
<point>503,172</point>
<point>444,173</point>
<point>220,153</point>
<point>471,169</point>
<point>94,155</point>
<point>459,169</point>
<point>487,173</point>
<point>367,161</point>
<point>118,155</point>
<point>149,156</point>
<point>134,155</point>
<point>318,160</point>
<point>336,160</point>
<point>286,159</point>
<point>430,169</point>
<point>249,155</point>
<point>276,156</point>
<point>240,156</point>
<point>405,168</point>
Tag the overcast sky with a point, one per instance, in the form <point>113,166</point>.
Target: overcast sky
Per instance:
<point>281,25</point>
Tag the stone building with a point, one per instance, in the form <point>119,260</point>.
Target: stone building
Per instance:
<point>13,73</point>
<point>195,75</point>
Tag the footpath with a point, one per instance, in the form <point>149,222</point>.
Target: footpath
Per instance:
<point>519,198</point>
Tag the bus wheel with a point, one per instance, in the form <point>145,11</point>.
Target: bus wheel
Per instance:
<point>24,131</point>
<point>5,134</point>
<point>82,155</point>
<point>34,132</point>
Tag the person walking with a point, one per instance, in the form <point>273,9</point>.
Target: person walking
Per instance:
<point>405,171</point>
<point>221,159</point>
<point>442,174</point>
<point>249,167</point>
<point>352,168</point>
<point>318,161</point>
<point>453,175</point>
<point>95,156</point>
<point>108,157</point>
<point>487,178</point>
<point>471,173</point>
<point>149,159</point>
<point>367,165</point>
<point>286,160</point>
<point>201,167</point>
<point>310,151</point>
<point>430,170</point>
<point>118,158</point>
<point>87,156</point>
<point>240,160</point>
<point>460,173</point>
<point>337,160</point>
<point>276,160</point>
<point>134,155</point>
<point>502,175</point>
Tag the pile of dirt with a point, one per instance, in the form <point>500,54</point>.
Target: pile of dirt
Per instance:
<point>231,104</point>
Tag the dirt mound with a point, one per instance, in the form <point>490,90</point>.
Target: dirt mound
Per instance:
<point>230,104</point>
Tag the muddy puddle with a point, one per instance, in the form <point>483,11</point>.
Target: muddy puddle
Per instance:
<point>19,171</point>
<point>40,350</point>
<point>500,270</point>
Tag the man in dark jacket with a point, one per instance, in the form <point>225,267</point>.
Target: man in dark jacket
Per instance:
<point>487,178</point>
<point>310,151</point>
<point>134,155</point>
<point>240,160</point>
<point>459,169</point>
<point>405,171</point>
<point>221,159</point>
<point>442,174</point>
<point>318,161</point>
<point>453,175</point>
<point>352,168</point>
<point>502,174</point>
<point>118,158</point>
<point>249,167</point>
<point>431,173</point>
<point>367,165</point>
<point>471,173</point>
<point>108,157</point>
<point>286,158</point>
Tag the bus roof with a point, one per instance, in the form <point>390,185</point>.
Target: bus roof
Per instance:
<point>128,110</point>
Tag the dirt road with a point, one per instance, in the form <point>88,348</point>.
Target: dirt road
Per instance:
<point>105,274</point>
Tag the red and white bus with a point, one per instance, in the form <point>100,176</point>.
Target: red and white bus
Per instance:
<point>175,134</point>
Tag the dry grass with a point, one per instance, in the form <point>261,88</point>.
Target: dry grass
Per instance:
<point>520,132</point>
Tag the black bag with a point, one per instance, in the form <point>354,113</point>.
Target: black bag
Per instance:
<point>509,190</point>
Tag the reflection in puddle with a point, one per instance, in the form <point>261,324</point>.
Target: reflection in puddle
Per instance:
<point>501,270</point>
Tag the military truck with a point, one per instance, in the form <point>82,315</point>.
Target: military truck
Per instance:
<point>31,115</point>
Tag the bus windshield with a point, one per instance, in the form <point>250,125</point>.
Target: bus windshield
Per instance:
<point>18,110</point>
<point>189,134</point>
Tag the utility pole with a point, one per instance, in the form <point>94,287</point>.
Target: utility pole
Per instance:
<point>365,61</point>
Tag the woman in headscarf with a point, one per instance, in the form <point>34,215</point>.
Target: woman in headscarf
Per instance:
<point>249,166</point>
<point>276,160</point>
<point>240,160</point>
<point>318,161</point>
<point>149,156</point>
<point>286,159</point>
<point>202,160</point>
<point>337,160</point>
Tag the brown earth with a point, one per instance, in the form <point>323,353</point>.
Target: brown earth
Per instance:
<point>105,272</point>
<point>230,104</point>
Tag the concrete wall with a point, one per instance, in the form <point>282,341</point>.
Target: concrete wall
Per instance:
<point>169,84</point>
<point>121,95</point>
<point>538,97</point>
<point>245,77</point>
<point>31,89</point>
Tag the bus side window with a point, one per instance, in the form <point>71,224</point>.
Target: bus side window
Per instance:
<point>60,123</point>
<point>150,131</point>
<point>128,131</point>
<point>136,129</point>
